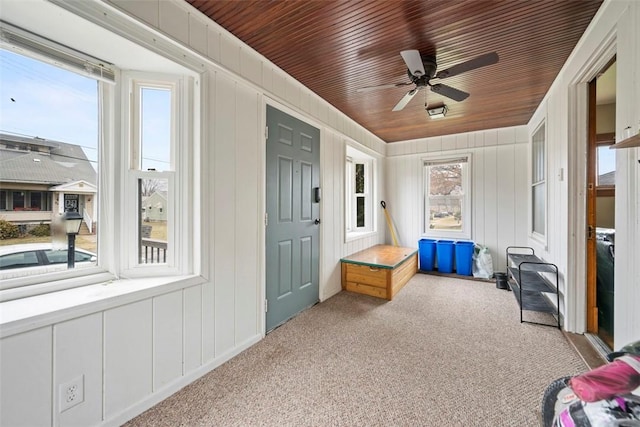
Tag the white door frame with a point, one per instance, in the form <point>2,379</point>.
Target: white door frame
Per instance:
<point>578,103</point>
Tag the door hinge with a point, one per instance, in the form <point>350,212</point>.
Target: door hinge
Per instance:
<point>266,132</point>
<point>266,305</point>
<point>266,219</point>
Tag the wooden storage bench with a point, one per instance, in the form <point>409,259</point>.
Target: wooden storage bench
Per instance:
<point>380,271</point>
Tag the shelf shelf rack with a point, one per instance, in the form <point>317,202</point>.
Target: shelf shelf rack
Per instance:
<point>528,282</point>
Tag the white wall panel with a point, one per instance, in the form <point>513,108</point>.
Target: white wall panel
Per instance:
<point>78,353</point>
<point>505,203</point>
<point>209,170</point>
<point>521,162</point>
<point>213,45</point>
<point>250,66</point>
<point>448,142</point>
<point>478,199</point>
<point>25,379</point>
<point>198,34</point>
<point>167,339</point>
<point>248,173</point>
<point>225,194</point>
<point>491,197</point>
<point>128,359</point>
<point>174,21</point>
<point>193,336</point>
<point>146,10</point>
<point>230,52</point>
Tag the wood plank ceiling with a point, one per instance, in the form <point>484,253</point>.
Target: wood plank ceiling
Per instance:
<point>335,47</point>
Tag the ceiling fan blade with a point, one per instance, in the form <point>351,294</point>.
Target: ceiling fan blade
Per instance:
<point>449,92</point>
<point>414,62</point>
<point>370,88</point>
<point>472,64</point>
<point>405,99</point>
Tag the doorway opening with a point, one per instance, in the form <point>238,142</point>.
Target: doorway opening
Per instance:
<point>601,205</point>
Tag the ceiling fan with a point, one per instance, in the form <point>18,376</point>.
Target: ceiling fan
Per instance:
<point>421,69</point>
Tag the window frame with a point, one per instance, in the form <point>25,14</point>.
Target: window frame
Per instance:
<point>534,233</point>
<point>179,185</point>
<point>354,156</point>
<point>466,204</point>
<point>602,141</point>
<point>114,249</point>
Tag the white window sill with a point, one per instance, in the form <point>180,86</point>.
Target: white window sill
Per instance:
<point>356,235</point>
<point>30,313</point>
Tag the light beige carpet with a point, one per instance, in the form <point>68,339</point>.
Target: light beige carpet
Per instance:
<point>444,352</point>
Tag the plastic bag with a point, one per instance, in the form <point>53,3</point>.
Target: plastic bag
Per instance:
<point>482,266</point>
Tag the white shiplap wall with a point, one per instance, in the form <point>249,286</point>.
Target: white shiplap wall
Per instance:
<point>615,30</point>
<point>136,352</point>
<point>499,190</point>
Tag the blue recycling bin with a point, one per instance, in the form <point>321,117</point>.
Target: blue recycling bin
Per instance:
<point>444,253</point>
<point>427,254</point>
<point>464,257</point>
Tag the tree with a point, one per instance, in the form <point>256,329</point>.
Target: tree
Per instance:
<point>150,186</point>
<point>445,179</point>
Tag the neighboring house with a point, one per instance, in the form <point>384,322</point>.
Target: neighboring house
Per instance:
<point>154,207</point>
<point>40,178</point>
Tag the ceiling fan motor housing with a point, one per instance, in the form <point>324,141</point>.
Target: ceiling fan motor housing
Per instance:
<point>430,66</point>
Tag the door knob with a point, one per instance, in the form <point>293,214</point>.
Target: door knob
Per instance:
<point>316,221</point>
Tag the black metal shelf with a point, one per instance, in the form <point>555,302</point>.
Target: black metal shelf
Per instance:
<point>532,301</point>
<point>532,280</point>
<point>529,280</point>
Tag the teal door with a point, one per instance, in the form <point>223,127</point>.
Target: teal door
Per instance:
<point>292,246</point>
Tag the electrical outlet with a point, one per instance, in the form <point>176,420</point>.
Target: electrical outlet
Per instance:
<point>71,393</point>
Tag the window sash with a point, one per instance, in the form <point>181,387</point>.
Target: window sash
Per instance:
<point>358,204</point>
<point>464,199</point>
<point>177,261</point>
<point>538,181</point>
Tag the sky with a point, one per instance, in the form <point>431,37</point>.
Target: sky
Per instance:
<point>42,100</point>
<point>38,99</point>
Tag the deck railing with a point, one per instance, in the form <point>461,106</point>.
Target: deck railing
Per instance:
<point>153,251</point>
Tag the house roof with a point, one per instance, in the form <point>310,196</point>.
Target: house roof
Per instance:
<point>39,161</point>
<point>608,178</point>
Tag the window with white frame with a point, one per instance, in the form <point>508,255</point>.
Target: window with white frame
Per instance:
<point>359,184</point>
<point>538,182</point>
<point>143,173</point>
<point>447,198</point>
<point>153,111</point>
<point>49,145</point>
<point>156,155</point>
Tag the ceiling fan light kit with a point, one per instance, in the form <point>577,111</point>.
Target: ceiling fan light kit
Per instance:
<point>437,112</point>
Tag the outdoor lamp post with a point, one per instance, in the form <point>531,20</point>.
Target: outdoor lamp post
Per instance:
<point>72,221</point>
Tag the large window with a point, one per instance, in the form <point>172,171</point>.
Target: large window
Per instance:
<point>137,173</point>
<point>538,182</point>
<point>447,202</point>
<point>49,133</point>
<point>358,192</point>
